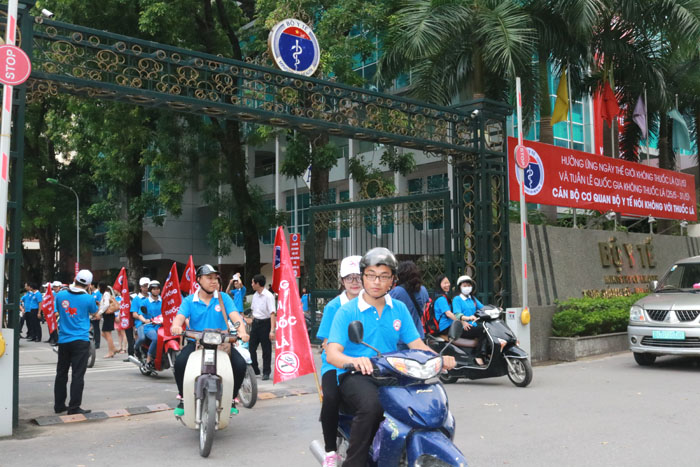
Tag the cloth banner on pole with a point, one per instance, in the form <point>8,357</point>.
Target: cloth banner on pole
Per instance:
<point>171,299</point>
<point>47,309</point>
<point>681,136</point>
<point>121,287</point>
<point>640,116</point>
<point>561,105</point>
<point>293,356</point>
<point>188,282</point>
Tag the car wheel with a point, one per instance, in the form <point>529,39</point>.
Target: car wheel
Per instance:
<point>644,359</point>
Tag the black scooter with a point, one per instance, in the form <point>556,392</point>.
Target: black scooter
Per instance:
<point>504,356</point>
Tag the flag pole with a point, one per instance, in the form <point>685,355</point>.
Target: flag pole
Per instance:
<point>571,118</point>
<point>523,206</point>
<point>646,119</point>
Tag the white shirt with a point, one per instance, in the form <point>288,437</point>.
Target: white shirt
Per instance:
<point>263,304</point>
<point>104,303</point>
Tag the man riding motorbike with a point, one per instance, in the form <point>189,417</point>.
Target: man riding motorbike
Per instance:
<point>385,322</point>
<point>203,308</point>
<point>151,311</point>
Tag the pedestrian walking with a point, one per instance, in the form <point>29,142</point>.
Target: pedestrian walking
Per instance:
<point>75,306</point>
<point>263,329</point>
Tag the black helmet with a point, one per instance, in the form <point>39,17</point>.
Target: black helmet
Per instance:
<point>153,284</point>
<point>377,257</point>
<point>206,269</point>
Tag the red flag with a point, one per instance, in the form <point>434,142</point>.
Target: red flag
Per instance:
<point>121,287</point>
<point>188,283</point>
<point>47,305</point>
<point>293,356</point>
<point>171,299</point>
<point>610,108</point>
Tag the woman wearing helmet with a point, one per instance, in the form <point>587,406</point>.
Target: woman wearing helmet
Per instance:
<point>464,306</point>
<point>350,287</point>
<point>151,318</point>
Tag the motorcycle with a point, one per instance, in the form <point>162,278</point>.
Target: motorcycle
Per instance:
<point>166,352</point>
<point>207,386</point>
<point>505,356</point>
<point>248,393</point>
<point>418,428</point>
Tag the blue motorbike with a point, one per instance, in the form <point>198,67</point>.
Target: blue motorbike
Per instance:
<point>418,428</point>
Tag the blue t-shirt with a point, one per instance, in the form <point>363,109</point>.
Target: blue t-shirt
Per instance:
<point>238,296</point>
<point>399,293</point>
<point>324,328</point>
<point>153,309</point>
<point>97,296</point>
<point>466,306</point>
<point>136,308</point>
<point>30,302</point>
<point>305,302</point>
<point>441,307</point>
<point>204,316</point>
<point>37,298</point>
<point>74,310</point>
<point>382,332</point>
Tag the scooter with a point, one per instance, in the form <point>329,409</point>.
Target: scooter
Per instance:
<point>505,357</point>
<point>166,352</point>
<point>207,386</point>
<point>418,428</point>
<point>248,393</point>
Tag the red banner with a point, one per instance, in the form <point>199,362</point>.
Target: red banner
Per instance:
<point>293,356</point>
<point>47,308</point>
<point>121,287</point>
<point>565,177</point>
<point>188,283</point>
<point>295,253</point>
<point>171,299</point>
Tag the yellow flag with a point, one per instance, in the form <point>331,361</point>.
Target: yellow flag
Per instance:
<point>561,106</point>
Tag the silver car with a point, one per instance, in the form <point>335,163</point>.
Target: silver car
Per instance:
<point>667,322</point>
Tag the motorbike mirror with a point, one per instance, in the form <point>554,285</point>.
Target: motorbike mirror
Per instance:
<point>455,330</point>
<point>355,332</point>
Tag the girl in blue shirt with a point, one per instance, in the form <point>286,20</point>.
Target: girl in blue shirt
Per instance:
<point>153,305</point>
<point>464,307</point>
<point>443,304</point>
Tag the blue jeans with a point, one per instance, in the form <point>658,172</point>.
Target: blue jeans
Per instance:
<point>153,336</point>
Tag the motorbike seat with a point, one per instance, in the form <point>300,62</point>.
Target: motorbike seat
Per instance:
<point>464,343</point>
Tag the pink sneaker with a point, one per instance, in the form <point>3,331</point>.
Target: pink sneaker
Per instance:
<point>331,459</point>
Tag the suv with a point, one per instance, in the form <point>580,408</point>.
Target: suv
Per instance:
<point>667,322</point>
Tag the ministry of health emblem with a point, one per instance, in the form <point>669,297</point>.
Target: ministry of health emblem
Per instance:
<point>294,47</point>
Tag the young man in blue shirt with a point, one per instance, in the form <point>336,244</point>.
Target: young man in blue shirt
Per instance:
<point>386,322</point>
<point>75,306</point>
<point>203,309</point>
<point>237,291</point>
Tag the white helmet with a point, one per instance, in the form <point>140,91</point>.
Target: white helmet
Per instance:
<point>465,279</point>
<point>350,265</point>
<point>144,281</point>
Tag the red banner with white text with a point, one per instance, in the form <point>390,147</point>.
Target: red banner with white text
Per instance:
<point>171,299</point>
<point>565,177</point>
<point>293,355</point>
<point>47,308</point>
<point>188,283</point>
<point>121,287</point>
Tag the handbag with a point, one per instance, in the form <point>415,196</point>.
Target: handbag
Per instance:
<point>113,306</point>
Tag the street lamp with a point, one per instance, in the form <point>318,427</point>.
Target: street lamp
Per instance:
<point>53,181</point>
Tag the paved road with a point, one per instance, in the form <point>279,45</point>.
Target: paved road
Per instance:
<point>599,412</point>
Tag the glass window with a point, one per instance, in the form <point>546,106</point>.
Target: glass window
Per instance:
<point>268,238</point>
<point>264,163</point>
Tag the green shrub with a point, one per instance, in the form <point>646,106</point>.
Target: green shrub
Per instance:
<point>578,317</point>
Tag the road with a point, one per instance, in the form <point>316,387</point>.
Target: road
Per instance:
<point>603,411</point>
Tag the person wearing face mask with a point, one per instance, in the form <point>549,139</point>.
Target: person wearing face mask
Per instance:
<point>464,306</point>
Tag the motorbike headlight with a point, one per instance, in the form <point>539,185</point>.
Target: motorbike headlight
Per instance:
<point>636,313</point>
<point>212,338</point>
<point>426,460</point>
<point>412,368</point>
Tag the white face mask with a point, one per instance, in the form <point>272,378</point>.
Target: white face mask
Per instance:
<point>466,290</point>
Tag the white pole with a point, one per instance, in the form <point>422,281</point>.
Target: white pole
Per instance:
<point>571,118</point>
<point>523,207</point>
<point>277,172</point>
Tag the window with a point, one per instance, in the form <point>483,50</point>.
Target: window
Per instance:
<point>264,163</point>
<point>268,238</point>
<point>303,203</point>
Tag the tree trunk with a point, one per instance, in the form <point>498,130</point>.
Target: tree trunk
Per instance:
<point>47,252</point>
<point>666,159</point>
<point>546,130</point>
<point>134,247</point>
<point>611,140</point>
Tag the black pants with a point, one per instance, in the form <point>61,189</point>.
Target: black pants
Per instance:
<point>329,409</point>
<point>129,340</point>
<point>33,324</point>
<point>260,334</point>
<point>476,332</point>
<point>96,332</point>
<point>73,355</point>
<point>53,337</point>
<point>237,363</point>
<point>361,394</point>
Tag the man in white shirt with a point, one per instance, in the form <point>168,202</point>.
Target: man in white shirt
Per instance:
<point>263,328</point>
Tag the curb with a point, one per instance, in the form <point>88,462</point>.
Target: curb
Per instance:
<point>129,411</point>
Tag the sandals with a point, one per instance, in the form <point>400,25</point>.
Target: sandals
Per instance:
<point>122,351</point>
<point>109,356</point>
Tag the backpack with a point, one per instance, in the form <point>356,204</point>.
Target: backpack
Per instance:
<point>430,322</point>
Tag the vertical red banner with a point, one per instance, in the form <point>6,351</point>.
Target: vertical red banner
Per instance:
<point>188,283</point>
<point>121,287</point>
<point>293,357</point>
<point>171,299</point>
<point>47,308</point>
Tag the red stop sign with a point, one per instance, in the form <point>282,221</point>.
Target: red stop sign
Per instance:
<point>522,158</point>
<point>15,66</point>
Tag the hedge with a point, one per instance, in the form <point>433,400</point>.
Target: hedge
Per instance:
<point>579,317</point>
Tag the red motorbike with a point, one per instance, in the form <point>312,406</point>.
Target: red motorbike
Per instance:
<point>167,349</point>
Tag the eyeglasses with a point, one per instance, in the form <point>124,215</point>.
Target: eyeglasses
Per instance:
<point>382,278</point>
<point>352,278</point>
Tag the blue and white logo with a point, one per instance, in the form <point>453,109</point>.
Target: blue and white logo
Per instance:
<point>278,257</point>
<point>534,173</point>
<point>294,47</point>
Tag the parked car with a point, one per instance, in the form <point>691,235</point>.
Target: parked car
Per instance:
<point>667,322</point>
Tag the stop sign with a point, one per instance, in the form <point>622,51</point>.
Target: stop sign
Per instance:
<point>15,66</point>
<point>522,158</point>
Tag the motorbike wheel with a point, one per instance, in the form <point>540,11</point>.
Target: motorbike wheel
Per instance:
<point>91,358</point>
<point>248,394</point>
<point>172,355</point>
<point>520,371</point>
<point>208,425</point>
<point>144,371</point>
<point>445,378</point>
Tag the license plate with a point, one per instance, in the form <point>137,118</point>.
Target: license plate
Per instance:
<point>670,335</point>
<point>209,356</point>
